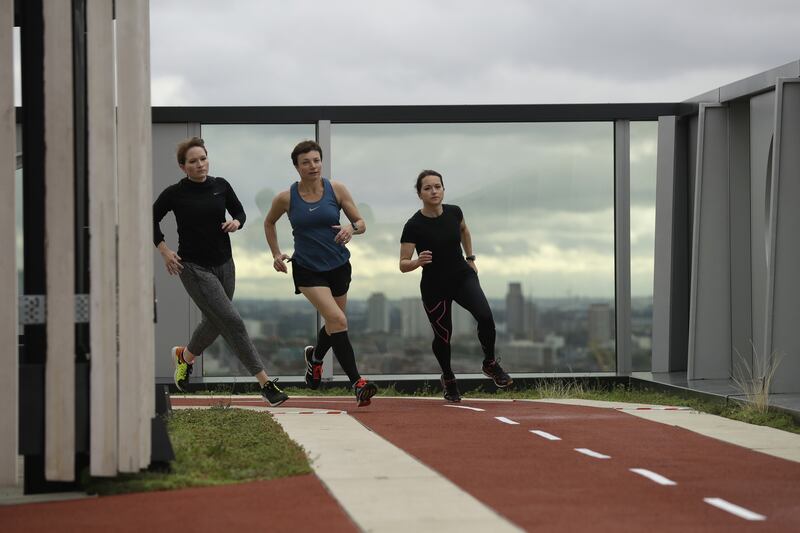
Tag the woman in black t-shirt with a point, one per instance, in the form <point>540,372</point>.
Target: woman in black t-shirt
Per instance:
<point>438,233</point>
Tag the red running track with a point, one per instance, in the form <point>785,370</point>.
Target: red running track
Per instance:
<point>275,505</point>
<point>536,483</point>
<point>545,485</point>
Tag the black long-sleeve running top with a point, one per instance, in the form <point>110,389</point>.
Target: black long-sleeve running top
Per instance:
<point>199,210</point>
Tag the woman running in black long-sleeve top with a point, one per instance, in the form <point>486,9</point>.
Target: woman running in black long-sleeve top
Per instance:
<point>205,264</point>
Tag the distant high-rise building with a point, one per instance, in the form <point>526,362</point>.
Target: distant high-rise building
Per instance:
<point>531,319</point>
<point>377,313</point>
<point>599,323</point>
<point>515,311</point>
<point>414,319</point>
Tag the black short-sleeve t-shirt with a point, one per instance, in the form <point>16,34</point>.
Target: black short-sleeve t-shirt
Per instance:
<point>442,236</point>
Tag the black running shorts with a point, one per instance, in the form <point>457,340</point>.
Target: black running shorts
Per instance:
<point>337,279</point>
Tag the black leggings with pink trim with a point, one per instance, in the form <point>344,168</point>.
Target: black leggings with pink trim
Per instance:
<point>468,294</point>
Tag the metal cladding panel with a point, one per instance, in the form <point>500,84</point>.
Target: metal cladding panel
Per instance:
<point>622,240</point>
<point>758,83</point>
<point>783,295</point>
<point>670,177</point>
<point>762,128</point>
<point>741,279</point>
<point>709,310</point>
<point>671,272</point>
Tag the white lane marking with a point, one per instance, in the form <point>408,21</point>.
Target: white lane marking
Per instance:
<point>505,420</point>
<point>544,434</point>
<point>465,407</point>
<point>652,476</point>
<point>741,512</point>
<point>592,453</point>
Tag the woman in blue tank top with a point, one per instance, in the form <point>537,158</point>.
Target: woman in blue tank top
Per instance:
<point>321,260</point>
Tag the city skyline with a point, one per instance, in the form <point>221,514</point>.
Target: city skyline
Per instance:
<point>394,335</point>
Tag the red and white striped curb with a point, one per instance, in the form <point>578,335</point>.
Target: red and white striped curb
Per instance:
<point>654,408</point>
<point>310,413</point>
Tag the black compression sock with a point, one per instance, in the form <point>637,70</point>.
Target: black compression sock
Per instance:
<point>323,344</point>
<point>343,351</point>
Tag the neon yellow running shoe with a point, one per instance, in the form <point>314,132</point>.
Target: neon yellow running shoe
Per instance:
<point>182,369</point>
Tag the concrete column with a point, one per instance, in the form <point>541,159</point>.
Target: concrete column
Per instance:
<point>134,165</point>
<point>59,242</point>
<point>103,236</point>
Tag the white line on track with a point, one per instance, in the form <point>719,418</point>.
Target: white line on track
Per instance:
<point>741,512</point>
<point>505,420</point>
<point>544,434</point>
<point>652,476</point>
<point>592,453</point>
<point>465,407</point>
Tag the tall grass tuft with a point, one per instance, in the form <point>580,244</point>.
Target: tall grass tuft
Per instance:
<point>755,379</point>
<point>559,388</point>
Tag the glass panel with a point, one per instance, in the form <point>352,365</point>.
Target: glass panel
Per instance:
<point>644,142</point>
<point>256,160</point>
<point>538,200</point>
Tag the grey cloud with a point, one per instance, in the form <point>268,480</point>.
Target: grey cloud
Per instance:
<point>422,52</point>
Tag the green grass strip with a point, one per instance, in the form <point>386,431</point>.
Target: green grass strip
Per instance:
<point>216,446</point>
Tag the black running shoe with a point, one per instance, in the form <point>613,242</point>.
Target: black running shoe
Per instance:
<point>272,394</point>
<point>495,372</point>
<point>364,392</point>
<point>313,369</point>
<point>450,388</point>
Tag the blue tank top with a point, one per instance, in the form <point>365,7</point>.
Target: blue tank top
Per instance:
<point>314,245</point>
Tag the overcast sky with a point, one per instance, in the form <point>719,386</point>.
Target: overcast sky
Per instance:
<point>406,52</point>
<point>373,52</point>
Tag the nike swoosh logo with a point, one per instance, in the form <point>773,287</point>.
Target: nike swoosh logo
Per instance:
<point>312,208</point>
<point>217,193</point>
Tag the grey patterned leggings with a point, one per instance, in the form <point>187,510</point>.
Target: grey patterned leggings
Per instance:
<point>211,288</point>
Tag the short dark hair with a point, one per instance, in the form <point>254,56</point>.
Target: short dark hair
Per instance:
<point>423,175</point>
<point>186,145</point>
<point>303,148</point>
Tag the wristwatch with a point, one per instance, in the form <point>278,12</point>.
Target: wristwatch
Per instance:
<point>355,226</point>
<point>470,258</point>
